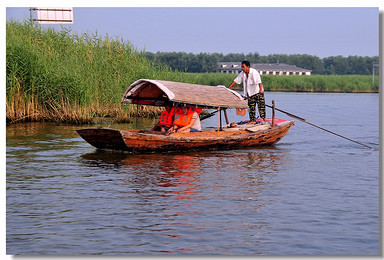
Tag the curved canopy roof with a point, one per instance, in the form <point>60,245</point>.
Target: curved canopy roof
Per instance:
<point>159,92</point>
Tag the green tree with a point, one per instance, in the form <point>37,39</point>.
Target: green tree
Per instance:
<point>207,62</point>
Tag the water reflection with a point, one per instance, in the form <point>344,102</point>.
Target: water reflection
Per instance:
<point>249,168</point>
<point>66,198</point>
<point>197,194</point>
<point>173,169</point>
<point>268,159</point>
<point>190,202</point>
<point>37,131</point>
<point>152,170</point>
<point>264,167</point>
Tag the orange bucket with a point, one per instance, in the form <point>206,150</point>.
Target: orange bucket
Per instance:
<point>241,112</point>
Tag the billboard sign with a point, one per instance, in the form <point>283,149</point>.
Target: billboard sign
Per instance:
<point>53,15</point>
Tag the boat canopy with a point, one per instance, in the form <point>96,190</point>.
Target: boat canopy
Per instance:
<point>159,92</point>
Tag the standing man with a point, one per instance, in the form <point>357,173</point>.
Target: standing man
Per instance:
<point>253,89</point>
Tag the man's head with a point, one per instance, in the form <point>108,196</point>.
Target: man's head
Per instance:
<point>245,66</point>
<point>168,107</point>
<point>185,109</point>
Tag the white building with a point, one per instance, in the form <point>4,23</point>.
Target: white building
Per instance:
<point>264,68</point>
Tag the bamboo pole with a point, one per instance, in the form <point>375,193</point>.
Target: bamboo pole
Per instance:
<point>273,113</point>
<point>218,120</point>
<point>326,130</point>
<point>305,121</point>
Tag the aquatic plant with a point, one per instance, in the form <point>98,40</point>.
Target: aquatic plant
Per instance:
<point>296,83</point>
<point>65,77</point>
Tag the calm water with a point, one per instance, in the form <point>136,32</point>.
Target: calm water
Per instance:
<point>311,194</point>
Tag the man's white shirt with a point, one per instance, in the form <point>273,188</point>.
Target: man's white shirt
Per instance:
<point>250,84</point>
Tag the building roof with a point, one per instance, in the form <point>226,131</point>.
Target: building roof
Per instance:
<point>158,92</point>
<point>263,66</point>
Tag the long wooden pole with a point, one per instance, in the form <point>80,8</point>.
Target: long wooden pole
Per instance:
<point>305,121</point>
<point>208,115</point>
<point>218,120</point>
<point>221,121</point>
<point>137,114</point>
<point>273,113</point>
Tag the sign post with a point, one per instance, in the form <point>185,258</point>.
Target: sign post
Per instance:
<point>52,15</point>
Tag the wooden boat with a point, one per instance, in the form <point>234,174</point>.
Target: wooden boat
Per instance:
<point>157,93</point>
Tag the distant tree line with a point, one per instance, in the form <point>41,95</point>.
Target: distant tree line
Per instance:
<point>208,62</point>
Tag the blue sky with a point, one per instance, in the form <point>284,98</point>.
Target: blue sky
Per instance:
<point>319,31</point>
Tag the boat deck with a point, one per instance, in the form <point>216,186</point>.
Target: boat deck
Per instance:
<point>227,130</point>
<point>150,141</point>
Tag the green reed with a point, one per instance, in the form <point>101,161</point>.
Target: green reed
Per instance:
<point>69,78</point>
<point>296,83</point>
<point>61,73</point>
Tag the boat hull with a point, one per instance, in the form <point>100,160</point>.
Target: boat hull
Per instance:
<point>148,141</point>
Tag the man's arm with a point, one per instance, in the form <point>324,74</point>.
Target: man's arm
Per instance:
<point>261,91</point>
<point>257,79</point>
<point>232,84</point>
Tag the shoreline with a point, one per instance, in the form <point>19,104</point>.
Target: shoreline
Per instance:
<point>69,115</point>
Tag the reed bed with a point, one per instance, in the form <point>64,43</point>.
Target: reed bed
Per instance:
<point>64,77</point>
<point>322,83</point>
<point>69,78</point>
<point>296,83</point>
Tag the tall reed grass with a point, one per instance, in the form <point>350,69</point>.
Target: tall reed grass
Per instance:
<point>65,77</point>
<point>322,83</point>
<point>69,78</point>
<point>296,83</point>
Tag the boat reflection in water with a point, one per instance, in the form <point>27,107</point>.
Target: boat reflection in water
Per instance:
<point>193,195</point>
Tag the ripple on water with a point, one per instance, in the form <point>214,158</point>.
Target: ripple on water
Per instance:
<point>311,194</point>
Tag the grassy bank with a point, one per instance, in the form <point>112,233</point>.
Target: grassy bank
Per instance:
<point>313,83</point>
<point>56,76</point>
<point>69,78</point>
